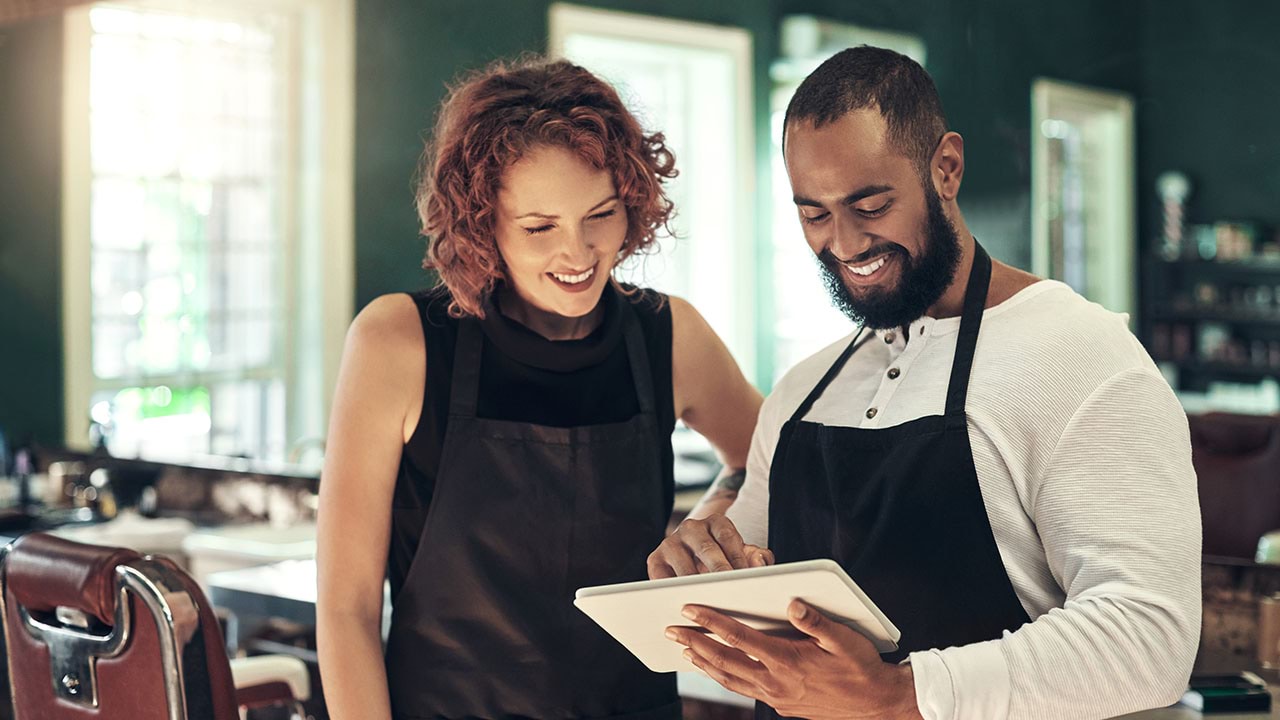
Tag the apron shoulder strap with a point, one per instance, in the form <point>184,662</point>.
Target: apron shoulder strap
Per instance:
<point>638,358</point>
<point>464,391</point>
<point>975,301</point>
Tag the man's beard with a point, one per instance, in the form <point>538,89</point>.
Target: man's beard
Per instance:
<point>921,281</point>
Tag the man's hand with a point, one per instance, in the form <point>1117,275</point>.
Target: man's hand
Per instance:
<point>704,545</point>
<point>832,672</point>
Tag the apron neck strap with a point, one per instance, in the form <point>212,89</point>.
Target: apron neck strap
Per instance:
<point>464,391</point>
<point>975,301</point>
<point>832,371</point>
<point>638,358</point>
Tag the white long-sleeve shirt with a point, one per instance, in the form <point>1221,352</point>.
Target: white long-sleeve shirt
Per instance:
<point>1084,463</point>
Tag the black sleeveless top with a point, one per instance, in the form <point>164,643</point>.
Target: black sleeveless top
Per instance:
<point>525,377</point>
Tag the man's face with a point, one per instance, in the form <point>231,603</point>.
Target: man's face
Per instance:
<point>887,250</point>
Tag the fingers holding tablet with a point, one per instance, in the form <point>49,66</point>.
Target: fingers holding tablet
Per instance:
<point>758,556</point>
<point>733,654</point>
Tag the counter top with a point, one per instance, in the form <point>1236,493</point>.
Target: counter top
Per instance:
<point>700,687</point>
<point>288,589</point>
<point>285,589</point>
<point>291,580</point>
<point>1179,712</point>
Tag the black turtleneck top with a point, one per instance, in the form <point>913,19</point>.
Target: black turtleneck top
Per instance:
<point>525,377</point>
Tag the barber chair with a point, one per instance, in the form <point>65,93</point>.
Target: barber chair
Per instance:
<point>103,633</point>
<point>1237,462</point>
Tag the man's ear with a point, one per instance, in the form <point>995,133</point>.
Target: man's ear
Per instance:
<point>946,168</point>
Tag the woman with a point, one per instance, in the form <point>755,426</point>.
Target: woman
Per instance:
<point>533,455</point>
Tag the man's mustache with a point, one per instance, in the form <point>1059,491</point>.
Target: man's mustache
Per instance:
<point>830,260</point>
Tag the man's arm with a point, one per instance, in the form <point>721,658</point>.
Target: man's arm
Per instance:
<point>749,509</point>
<point>1118,515</point>
<point>721,494</point>
<point>708,540</point>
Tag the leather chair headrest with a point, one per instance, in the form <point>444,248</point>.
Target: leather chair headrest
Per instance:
<point>44,572</point>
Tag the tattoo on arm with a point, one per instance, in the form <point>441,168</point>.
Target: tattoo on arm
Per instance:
<point>722,493</point>
<point>728,484</point>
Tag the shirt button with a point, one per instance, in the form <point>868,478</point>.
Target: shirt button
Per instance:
<point>871,413</point>
<point>894,373</point>
<point>888,337</point>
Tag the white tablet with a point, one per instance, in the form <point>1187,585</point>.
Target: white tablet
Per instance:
<point>638,614</point>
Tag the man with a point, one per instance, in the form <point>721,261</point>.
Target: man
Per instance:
<point>996,461</point>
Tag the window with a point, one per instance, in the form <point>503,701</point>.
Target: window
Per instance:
<point>1082,188</point>
<point>692,82</point>
<point>194,249</point>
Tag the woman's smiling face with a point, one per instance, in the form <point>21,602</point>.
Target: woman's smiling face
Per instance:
<point>560,227</point>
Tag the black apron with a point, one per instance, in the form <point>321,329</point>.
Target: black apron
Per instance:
<point>899,508</point>
<point>522,516</point>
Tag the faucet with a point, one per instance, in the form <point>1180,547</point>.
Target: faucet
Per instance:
<point>300,446</point>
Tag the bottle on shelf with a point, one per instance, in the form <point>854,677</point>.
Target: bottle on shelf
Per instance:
<point>23,469</point>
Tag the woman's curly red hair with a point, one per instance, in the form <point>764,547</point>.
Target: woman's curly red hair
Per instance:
<point>488,122</point>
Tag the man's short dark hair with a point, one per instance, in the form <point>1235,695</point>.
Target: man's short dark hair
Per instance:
<point>874,78</point>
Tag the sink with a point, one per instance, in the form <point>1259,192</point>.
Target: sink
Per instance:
<point>149,536</point>
<point>234,547</point>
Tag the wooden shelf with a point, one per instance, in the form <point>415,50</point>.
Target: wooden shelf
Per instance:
<point>1210,315</point>
<point>1224,370</point>
<point>1252,263</point>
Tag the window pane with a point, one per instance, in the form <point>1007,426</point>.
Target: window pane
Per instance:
<point>248,419</point>
<point>187,271</point>
<point>243,418</point>
<point>157,421</point>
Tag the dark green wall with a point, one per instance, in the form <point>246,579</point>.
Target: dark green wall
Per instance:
<point>1204,76</point>
<point>1210,100</point>
<point>31,230</point>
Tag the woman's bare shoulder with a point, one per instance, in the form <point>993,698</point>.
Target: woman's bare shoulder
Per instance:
<point>389,323</point>
<point>688,326</point>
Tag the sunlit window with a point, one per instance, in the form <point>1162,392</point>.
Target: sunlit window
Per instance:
<point>1082,216</point>
<point>187,143</point>
<point>207,237</point>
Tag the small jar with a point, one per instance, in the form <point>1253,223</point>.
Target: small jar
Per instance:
<point>1269,631</point>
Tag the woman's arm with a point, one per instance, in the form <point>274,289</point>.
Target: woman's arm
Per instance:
<point>375,409</point>
<point>714,398</point>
